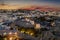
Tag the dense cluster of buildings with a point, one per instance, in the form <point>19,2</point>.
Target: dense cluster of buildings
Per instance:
<point>29,25</point>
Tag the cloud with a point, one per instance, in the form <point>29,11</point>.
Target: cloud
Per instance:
<point>35,2</point>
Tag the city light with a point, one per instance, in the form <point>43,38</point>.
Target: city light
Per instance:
<point>10,33</point>
<point>31,34</point>
<point>5,33</point>
<point>22,31</point>
<point>15,33</point>
<point>27,32</point>
<point>37,26</point>
<point>10,38</point>
<point>29,23</point>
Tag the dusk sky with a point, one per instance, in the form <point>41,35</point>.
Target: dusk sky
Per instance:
<point>32,2</point>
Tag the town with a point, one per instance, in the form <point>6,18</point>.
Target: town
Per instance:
<point>24,24</point>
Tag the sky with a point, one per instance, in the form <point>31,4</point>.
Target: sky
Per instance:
<point>32,2</point>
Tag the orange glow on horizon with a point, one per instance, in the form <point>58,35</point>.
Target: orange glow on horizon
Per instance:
<point>27,7</point>
<point>13,6</point>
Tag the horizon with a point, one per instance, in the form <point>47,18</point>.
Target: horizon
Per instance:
<point>15,4</point>
<point>55,3</point>
<point>6,6</point>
